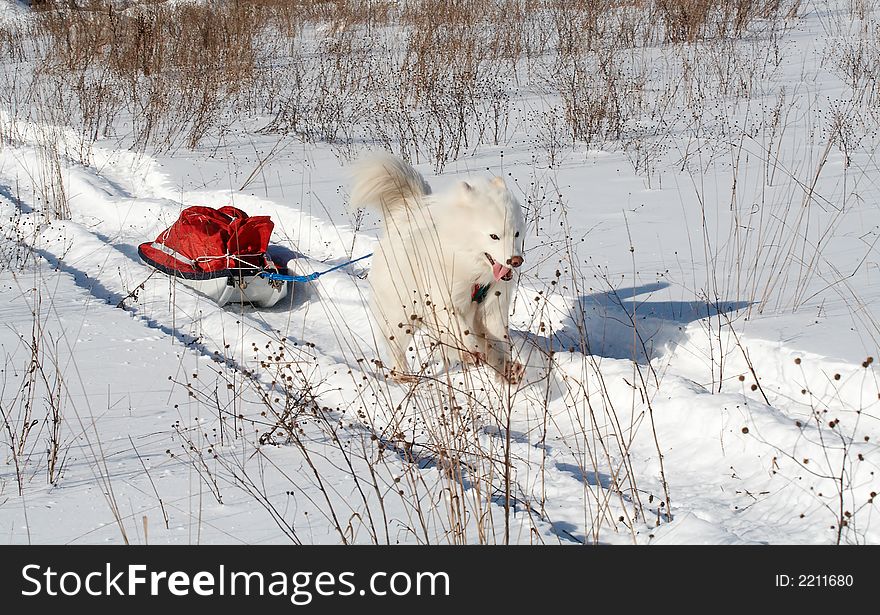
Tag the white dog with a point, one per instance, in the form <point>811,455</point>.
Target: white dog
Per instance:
<point>444,264</point>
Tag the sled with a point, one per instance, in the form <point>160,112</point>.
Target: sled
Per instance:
<point>220,253</point>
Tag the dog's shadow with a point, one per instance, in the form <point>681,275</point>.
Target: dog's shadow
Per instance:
<point>616,325</point>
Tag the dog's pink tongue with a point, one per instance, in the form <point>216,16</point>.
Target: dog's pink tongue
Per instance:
<point>499,271</point>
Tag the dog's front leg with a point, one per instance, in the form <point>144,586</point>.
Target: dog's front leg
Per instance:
<point>496,331</point>
<point>472,345</point>
<point>474,349</point>
<point>456,338</point>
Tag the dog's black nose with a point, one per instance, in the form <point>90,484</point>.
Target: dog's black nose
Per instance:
<point>515,261</point>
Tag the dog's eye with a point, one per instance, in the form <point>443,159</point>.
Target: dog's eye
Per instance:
<point>517,235</point>
<point>494,236</point>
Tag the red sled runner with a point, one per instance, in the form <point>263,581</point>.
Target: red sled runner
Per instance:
<point>221,253</point>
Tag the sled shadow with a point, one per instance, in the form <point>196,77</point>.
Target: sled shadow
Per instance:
<point>298,293</point>
<point>281,255</point>
<point>616,325</point>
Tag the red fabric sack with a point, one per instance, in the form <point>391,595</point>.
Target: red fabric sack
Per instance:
<point>207,243</point>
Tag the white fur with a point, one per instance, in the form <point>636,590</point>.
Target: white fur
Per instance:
<point>432,254</point>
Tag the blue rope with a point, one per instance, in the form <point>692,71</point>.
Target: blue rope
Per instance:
<point>311,277</point>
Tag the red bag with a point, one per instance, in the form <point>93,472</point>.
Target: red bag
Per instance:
<point>209,243</point>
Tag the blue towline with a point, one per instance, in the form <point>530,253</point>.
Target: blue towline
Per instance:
<point>311,277</point>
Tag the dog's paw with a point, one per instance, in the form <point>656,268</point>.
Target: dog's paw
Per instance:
<point>402,378</point>
<point>473,358</point>
<point>513,371</point>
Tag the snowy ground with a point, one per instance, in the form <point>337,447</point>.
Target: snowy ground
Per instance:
<point>705,351</point>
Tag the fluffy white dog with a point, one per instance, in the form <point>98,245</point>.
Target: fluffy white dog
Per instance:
<point>444,264</point>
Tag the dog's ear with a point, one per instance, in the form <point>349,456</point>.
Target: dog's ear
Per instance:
<point>498,182</point>
<point>466,193</point>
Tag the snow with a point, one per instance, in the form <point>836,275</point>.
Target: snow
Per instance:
<point>12,12</point>
<point>689,361</point>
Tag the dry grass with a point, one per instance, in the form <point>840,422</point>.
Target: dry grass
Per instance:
<point>435,86</point>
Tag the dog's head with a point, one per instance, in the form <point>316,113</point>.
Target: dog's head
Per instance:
<point>494,227</point>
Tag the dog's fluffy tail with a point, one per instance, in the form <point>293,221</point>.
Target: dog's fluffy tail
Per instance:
<point>387,183</point>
